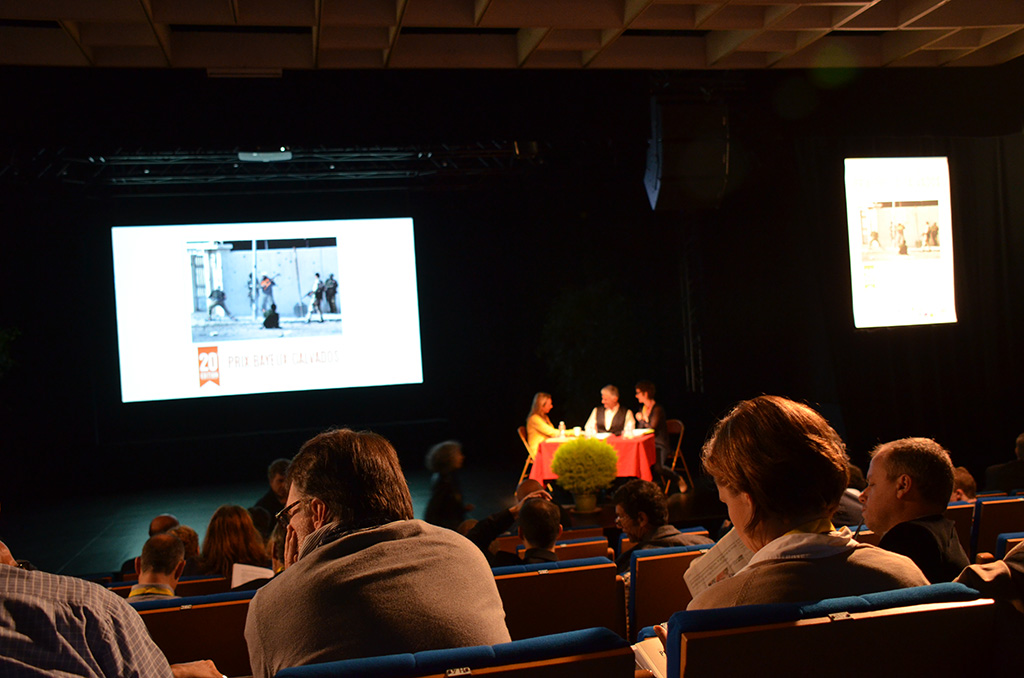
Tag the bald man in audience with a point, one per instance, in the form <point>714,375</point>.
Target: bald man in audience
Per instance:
<point>159,568</point>
<point>162,523</point>
<point>909,485</point>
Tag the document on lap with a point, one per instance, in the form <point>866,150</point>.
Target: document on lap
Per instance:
<point>723,560</point>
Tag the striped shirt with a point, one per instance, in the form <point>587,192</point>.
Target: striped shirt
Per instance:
<point>52,625</point>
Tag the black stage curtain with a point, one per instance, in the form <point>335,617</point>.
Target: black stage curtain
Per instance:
<point>958,383</point>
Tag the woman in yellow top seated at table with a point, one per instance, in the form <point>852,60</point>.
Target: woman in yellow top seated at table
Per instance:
<point>538,426</point>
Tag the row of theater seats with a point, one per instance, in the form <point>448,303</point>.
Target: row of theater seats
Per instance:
<point>928,630</point>
<point>577,594</point>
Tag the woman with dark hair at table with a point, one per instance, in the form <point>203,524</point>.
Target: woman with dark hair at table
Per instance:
<point>652,415</point>
<point>780,470</point>
<point>538,426</point>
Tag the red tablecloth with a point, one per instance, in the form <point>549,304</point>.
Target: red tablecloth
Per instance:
<point>636,455</point>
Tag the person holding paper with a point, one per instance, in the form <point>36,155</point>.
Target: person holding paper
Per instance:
<point>781,470</point>
<point>538,426</point>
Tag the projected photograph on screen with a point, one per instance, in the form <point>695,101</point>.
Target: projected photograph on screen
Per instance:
<point>901,249</point>
<point>208,310</point>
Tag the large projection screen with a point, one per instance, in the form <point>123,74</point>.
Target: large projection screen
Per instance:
<point>901,245</point>
<point>191,309</point>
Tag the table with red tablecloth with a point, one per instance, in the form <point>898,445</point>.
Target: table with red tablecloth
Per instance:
<point>636,456</point>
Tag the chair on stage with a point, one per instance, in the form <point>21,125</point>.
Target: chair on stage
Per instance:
<point>529,456</point>
<point>676,428</point>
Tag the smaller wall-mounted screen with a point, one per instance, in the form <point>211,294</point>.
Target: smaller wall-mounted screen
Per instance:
<point>208,310</point>
<point>901,245</point>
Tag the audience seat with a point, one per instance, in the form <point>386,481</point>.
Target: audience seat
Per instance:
<point>625,543</point>
<point>656,586</point>
<point>943,629</point>
<point>1006,541</point>
<point>201,627</point>
<point>592,652</point>
<point>962,515</point>
<point>511,542</point>
<point>192,585</point>
<point>569,595</point>
<point>992,517</point>
<point>574,549</point>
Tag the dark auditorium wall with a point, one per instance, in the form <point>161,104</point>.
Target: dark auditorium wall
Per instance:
<point>558,278</point>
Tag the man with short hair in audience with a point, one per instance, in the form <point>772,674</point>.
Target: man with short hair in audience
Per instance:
<point>273,500</point>
<point>1009,476</point>
<point>609,417</point>
<point>56,625</point>
<point>363,578</point>
<point>909,485</point>
<point>159,568</point>
<point>964,486</point>
<point>540,526</point>
<point>641,511</point>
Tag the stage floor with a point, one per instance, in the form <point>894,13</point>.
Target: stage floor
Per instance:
<point>98,534</point>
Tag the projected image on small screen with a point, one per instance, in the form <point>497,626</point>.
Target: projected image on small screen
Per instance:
<point>901,249</point>
<point>208,310</point>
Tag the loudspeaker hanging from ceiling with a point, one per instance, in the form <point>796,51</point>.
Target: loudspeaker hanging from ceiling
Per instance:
<point>687,155</point>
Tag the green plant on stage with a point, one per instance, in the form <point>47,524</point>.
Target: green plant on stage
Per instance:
<point>585,465</point>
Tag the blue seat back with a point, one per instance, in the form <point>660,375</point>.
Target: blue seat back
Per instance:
<point>572,644</point>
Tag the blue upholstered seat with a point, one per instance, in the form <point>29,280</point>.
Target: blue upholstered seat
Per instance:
<point>586,641</point>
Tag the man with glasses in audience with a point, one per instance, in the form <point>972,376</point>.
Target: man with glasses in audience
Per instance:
<point>641,511</point>
<point>362,578</point>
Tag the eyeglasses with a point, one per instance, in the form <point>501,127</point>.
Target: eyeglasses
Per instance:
<point>284,516</point>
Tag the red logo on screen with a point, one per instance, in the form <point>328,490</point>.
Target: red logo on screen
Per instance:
<point>209,365</point>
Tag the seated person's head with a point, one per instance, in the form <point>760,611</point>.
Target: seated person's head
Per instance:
<point>610,397</point>
<point>445,457</point>
<point>162,523</point>
<point>857,479</point>
<point>232,538</point>
<point>163,557</point>
<point>539,523</point>
<point>908,478</point>
<point>349,477</point>
<point>189,538</point>
<point>965,488</point>
<point>640,507</point>
<point>1019,449</point>
<point>778,466</point>
<point>275,547</point>
<point>526,488</point>
<point>277,473</point>
<point>261,520</point>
